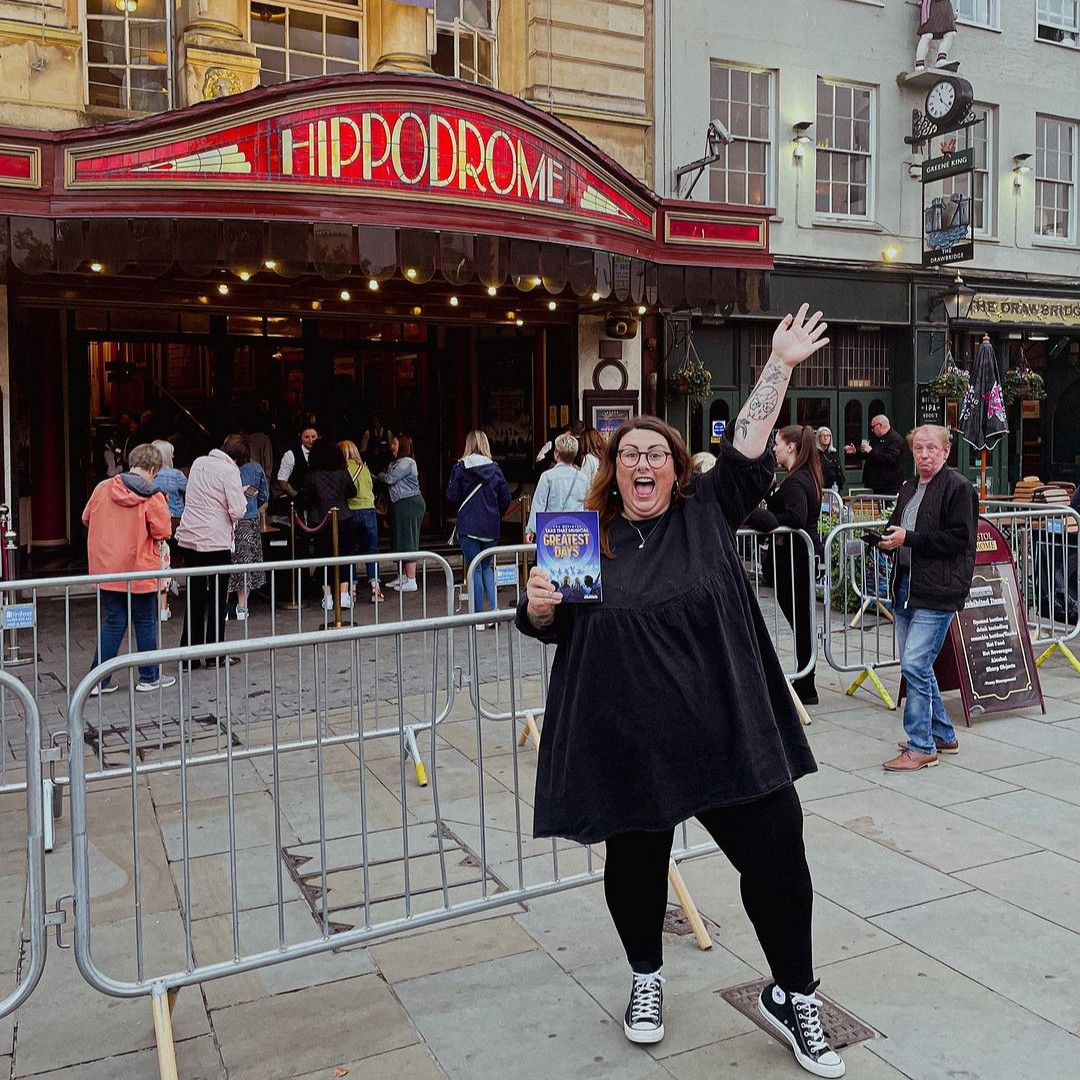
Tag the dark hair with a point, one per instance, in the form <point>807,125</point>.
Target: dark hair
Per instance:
<point>236,446</point>
<point>404,445</point>
<point>807,457</point>
<point>604,497</point>
<point>325,454</point>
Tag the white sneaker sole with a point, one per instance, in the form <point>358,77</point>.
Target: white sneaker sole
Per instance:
<point>643,1037</point>
<point>808,1064</point>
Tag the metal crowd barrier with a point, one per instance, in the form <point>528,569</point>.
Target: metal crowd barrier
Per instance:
<point>64,619</point>
<point>37,919</point>
<point>1045,542</point>
<point>356,851</point>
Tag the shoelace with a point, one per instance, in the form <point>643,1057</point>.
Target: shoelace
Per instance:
<point>645,998</point>
<point>806,1009</point>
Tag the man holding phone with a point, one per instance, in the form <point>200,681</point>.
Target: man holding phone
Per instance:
<point>883,455</point>
<point>931,536</point>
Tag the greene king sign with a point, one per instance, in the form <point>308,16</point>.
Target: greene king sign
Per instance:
<point>417,148</point>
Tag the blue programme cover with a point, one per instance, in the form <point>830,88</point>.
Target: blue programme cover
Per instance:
<point>568,548</point>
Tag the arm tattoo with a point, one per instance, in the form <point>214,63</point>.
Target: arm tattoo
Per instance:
<point>762,403</point>
<point>742,428</point>
<point>773,373</point>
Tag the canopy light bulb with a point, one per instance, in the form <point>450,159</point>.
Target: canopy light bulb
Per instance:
<point>595,297</point>
<point>411,274</point>
<point>642,309</point>
<point>492,291</point>
<point>316,305</point>
<point>418,310</point>
<point>373,285</point>
<point>96,267</point>
<point>223,289</point>
<point>511,316</point>
<point>520,322</point>
<point>244,275</point>
<point>890,253</point>
<point>129,7</point>
<point>454,301</point>
<point>270,264</point>
<point>552,305</point>
<point>345,294</point>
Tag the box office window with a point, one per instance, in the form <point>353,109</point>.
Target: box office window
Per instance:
<point>302,40</point>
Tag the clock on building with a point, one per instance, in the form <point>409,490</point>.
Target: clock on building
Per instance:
<point>948,101</point>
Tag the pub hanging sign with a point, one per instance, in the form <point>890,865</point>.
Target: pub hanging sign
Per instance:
<point>421,148</point>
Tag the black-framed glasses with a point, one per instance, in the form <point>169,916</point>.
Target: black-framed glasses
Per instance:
<point>655,457</point>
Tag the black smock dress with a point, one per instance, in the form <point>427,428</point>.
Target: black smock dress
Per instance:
<point>667,698</point>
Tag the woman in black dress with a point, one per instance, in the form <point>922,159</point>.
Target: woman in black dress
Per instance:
<point>795,504</point>
<point>703,723</point>
<point>327,484</point>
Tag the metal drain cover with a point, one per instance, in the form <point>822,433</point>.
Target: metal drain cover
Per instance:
<point>676,922</point>
<point>841,1028</point>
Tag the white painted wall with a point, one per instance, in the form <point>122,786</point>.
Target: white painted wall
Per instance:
<point>590,331</point>
<point>870,42</point>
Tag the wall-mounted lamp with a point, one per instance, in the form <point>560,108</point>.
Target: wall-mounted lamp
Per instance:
<point>914,170</point>
<point>801,138</point>
<point>1020,169</point>
<point>890,253</point>
<point>129,7</point>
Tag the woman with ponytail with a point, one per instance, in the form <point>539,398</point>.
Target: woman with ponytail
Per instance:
<point>795,504</point>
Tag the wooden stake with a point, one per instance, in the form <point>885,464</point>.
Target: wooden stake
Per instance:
<point>530,731</point>
<point>686,902</point>
<point>800,708</point>
<point>162,1004</point>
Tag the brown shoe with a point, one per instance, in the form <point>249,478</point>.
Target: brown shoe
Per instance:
<point>942,747</point>
<point>909,761</point>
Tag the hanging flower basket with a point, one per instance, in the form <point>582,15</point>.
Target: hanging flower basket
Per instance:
<point>951,383</point>
<point>1023,384</point>
<point>694,380</point>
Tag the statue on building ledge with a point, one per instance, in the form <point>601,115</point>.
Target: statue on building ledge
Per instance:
<point>936,20</point>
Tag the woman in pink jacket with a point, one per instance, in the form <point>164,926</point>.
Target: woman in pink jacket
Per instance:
<point>127,520</point>
<point>214,502</point>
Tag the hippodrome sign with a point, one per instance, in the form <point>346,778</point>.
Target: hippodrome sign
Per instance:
<point>418,148</point>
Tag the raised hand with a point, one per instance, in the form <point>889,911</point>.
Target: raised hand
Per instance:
<point>798,337</point>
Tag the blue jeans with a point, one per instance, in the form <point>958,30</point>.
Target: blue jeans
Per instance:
<point>920,634</point>
<point>114,622</point>
<point>484,578</point>
<point>365,538</point>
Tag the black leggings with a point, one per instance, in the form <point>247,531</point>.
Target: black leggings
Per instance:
<point>763,840</point>
<point>795,595</point>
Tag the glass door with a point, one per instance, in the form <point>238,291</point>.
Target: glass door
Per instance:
<point>855,410</point>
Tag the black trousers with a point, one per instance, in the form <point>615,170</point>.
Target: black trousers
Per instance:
<point>204,616</point>
<point>763,840</point>
<point>795,595</point>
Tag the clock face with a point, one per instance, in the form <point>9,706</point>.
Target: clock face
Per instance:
<point>941,99</point>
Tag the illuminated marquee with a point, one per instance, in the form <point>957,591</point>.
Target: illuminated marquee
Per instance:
<point>413,149</point>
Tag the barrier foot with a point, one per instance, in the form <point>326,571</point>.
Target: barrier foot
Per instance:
<point>414,752</point>
<point>800,708</point>
<point>1068,653</point>
<point>869,673</point>
<point>686,902</point>
<point>162,1004</point>
<point>530,731</point>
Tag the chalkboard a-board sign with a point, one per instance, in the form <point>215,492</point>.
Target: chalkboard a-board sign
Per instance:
<point>988,654</point>
<point>929,406</point>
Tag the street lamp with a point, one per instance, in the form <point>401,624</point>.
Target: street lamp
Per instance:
<point>957,299</point>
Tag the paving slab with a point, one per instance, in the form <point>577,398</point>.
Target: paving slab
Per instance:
<point>258,929</point>
<point>408,1063</point>
<point>1057,708</point>
<point>829,781</point>
<point>757,1056</point>
<point>295,1034</point>
<point>258,870</point>
<point>933,836</point>
<point>940,1025</point>
<point>299,802</point>
<point>427,953</point>
<point>694,1013</point>
<point>1044,883</point>
<point>557,1028</point>
<point>866,878</point>
<point>982,753</point>
<point>1058,779</point>
<point>1023,958</point>
<point>1048,740</point>
<point>851,750</point>
<point>208,825</point>
<point>943,786</point>
<point>1038,819</point>
<point>196,1059</point>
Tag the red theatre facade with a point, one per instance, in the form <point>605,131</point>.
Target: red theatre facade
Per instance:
<point>434,251</point>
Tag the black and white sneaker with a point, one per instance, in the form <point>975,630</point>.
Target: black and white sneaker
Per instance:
<point>795,1016</point>
<point>644,1019</point>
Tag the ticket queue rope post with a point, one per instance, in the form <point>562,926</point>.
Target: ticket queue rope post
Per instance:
<point>330,520</point>
<point>8,539</point>
<point>293,602</point>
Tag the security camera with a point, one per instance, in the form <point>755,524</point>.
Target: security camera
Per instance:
<point>718,133</point>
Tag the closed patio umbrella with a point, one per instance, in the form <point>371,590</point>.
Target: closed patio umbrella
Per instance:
<point>982,420</point>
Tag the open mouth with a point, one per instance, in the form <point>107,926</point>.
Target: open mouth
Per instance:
<point>644,486</point>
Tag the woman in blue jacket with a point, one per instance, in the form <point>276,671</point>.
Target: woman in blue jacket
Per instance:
<point>479,490</point>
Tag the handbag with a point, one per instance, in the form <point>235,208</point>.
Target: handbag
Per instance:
<point>453,532</point>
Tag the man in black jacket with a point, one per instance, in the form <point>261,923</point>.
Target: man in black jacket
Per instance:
<point>932,535</point>
<point>883,472</point>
